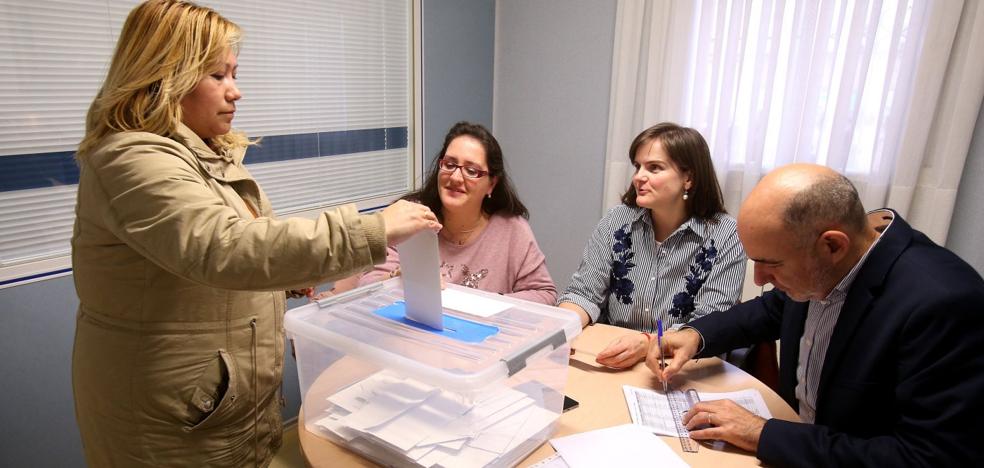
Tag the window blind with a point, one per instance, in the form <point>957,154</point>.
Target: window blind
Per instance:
<point>327,84</point>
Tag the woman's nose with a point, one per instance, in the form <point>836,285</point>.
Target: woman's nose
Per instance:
<point>458,174</point>
<point>234,94</point>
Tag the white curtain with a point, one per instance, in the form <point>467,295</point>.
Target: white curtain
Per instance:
<point>886,92</point>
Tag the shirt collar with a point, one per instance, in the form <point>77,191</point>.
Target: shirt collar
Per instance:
<point>693,224</point>
<point>697,226</point>
<point>640,213</point>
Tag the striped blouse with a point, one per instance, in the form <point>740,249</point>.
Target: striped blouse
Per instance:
<point>628,279</point>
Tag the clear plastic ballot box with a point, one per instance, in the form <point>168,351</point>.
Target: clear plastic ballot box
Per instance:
<point>484,391</point>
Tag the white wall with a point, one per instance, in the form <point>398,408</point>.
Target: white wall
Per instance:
<point>550,112</point>
<point>458,40</point>
<point>38,413</point>
<point>968,214</point>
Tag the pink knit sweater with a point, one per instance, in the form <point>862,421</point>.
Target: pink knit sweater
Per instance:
<point>504,258</point>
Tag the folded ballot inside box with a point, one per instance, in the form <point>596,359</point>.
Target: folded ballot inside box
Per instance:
<point>484,391</point>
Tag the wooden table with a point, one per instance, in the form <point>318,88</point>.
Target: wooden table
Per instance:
<point>602,404</point>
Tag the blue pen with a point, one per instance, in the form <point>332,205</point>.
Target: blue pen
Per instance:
<point>659,342</point>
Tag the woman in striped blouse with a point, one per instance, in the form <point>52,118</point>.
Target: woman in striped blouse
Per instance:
<point>668,252</point>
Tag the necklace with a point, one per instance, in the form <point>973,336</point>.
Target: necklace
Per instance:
<point>462,236</point>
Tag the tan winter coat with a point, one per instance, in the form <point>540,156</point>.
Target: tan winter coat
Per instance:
<point>179,340</point>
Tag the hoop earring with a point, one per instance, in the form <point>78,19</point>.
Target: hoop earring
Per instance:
<point>685,194</point>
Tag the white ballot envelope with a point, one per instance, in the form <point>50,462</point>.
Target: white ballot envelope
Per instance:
<point>420,269</point>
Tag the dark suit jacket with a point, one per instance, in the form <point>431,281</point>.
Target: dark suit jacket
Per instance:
<point>903,379</point>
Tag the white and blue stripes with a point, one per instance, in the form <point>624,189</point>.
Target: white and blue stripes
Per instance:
<point>29,171</point>
<point>629,280</point>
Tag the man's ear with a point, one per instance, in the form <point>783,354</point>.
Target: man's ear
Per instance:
<point>834,244</point>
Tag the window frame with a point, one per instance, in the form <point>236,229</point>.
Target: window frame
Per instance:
<point>55,266</point>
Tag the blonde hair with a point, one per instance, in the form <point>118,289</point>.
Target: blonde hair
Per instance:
<point>164,49</point>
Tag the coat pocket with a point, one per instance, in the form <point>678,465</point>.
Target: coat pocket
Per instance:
<point>214,393</point>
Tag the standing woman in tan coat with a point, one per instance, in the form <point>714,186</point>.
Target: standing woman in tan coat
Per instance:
<point>180,266</point>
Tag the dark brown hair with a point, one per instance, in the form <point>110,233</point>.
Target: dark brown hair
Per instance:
<point>688,150</point>
<point>504,198</point>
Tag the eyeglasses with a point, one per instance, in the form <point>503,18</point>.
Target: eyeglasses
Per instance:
<point>470,172</point>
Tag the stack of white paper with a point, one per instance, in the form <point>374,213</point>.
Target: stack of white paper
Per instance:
<point>472,303</point>
<point>432,427</point>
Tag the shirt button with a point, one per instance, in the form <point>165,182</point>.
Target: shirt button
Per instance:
<point>646,309</point>
<point>652,278</point>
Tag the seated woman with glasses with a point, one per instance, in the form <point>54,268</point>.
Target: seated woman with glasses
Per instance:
<point>668,252</point>
<point>486,242</point>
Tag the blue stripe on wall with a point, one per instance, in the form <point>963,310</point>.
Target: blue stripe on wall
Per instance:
<point>35,276</point>
<point>309,145</point>
<point>27,171</point>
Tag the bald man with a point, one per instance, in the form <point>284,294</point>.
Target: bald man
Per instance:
<point>882,334</point>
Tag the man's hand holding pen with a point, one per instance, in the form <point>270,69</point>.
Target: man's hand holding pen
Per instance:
<point>679,346</point>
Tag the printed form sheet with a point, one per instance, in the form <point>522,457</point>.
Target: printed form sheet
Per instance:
<point>652,410</point>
